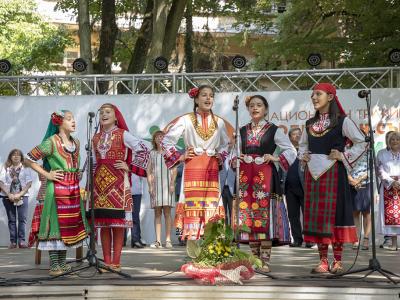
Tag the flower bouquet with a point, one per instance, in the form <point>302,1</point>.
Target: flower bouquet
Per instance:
<point>216,259</point>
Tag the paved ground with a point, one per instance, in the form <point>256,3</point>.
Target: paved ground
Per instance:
<point>290,267</point>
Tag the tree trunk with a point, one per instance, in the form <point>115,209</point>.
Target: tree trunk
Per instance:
<point>85,40</point>
<point>160,14</point>
<point>174,20</point>
<point>189,38</point>
<point>138,59</point>
<point>108,35</point>
<point>142,44</point>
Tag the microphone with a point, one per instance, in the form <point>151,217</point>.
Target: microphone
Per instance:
<point>91,114</point>
<point>364,93</point>
<point>235,106</point>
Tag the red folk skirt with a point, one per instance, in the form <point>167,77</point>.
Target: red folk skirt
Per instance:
<point>262,211</point>
<point>201,191</point>
<point>328,208</point>
<point>391,204</point>
<point>112,196</point>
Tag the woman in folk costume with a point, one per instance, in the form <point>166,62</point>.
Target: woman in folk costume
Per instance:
<point>62,223</point>
<point>328,209</point>
<point>113,147</point>
<point>206,143</point>
<point>388,163</point>
<point>260,192</point>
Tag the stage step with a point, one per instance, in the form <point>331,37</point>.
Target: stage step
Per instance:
<point>196,292</point>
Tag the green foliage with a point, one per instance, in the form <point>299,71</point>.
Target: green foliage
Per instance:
<point>30,43</point>
<point>347,33</point>
<point>217,246</point>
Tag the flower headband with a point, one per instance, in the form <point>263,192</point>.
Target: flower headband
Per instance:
<point>194,92</point>
<point>57,118</point>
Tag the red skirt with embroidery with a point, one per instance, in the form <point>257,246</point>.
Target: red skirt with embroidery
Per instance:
<point>262,211</point>
<point>112,196</point>
<point>201,190</point>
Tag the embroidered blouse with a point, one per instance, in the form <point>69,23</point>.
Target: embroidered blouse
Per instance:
<point>202,135</point>
<point>333,138</point>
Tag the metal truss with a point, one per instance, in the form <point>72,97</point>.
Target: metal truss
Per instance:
<point>164,83</point>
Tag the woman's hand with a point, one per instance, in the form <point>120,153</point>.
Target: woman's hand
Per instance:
<point>189,154</point>
<point>121,165</point>
<point>219,158</point>
<point>270,158</point>
<point>11,197</point>
<point>172,188</point>
<point>55,175</point>
<point>305,158</point>
<point>352,181</point>
<point>396,185</point>
<point>335,155</point>
<point>152,194</point>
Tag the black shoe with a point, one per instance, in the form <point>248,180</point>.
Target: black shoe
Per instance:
<point>296,244</point>
<point>137,245</point>
<point>142,243</point>
<point>309,245</point>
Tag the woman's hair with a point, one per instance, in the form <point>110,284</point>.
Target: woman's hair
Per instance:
<point>387,135</point>
<point>12,152</point>
<point>153,139</point>
<point>391,136</point>
<point>334,114</point>
<point>200,88</point>
<point>291,130</point>
<point>263,99</point>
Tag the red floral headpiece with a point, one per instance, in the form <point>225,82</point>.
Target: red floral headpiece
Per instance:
<point>194,92</point>
<point>56,118</point>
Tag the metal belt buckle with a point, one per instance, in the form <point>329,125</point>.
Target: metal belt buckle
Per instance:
<point>259,160</point>
<point>210,152</point>
<point>198,151</point>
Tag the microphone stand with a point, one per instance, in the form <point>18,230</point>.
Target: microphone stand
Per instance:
<point>237,145</point>
<point>91,257</point>
<point>374,265</point>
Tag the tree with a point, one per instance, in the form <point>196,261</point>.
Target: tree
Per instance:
<point>85,34</point>
<point>347,33</point>
<point>30,43</point>
<point>160,15</point>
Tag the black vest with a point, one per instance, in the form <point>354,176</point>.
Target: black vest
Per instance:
<point>332,139</point>
<point>266,142</point>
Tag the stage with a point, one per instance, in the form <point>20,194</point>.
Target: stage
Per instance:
<point>155,275</point>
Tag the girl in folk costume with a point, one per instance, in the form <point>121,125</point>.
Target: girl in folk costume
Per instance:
<point>328,211</point>
<point>206,141</point>
<point>113,147</point>
<point>161,182</point>
<point>388,162</point>
<point>62,223</point>
<point>259,189</point>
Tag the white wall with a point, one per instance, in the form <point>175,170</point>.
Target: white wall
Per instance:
<point>24,121</point>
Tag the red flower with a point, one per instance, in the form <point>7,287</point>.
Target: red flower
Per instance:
<point>56,119</point>
<point>256,179</point>
<point>249,222</point>
<point>194,92</point>
<point>215,218</point>
<point>263,203</point>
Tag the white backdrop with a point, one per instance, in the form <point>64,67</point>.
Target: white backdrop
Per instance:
<point>24,121</point>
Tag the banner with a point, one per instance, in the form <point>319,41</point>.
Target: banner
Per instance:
<point>24,120</point>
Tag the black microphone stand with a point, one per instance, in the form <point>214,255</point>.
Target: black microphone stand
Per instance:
<point>91,257</point>
<point>237,145</point>
<point>374,265</point>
